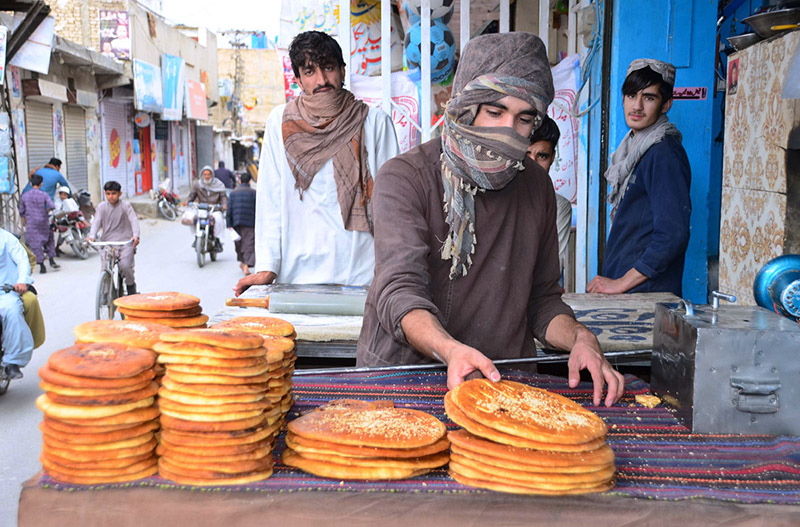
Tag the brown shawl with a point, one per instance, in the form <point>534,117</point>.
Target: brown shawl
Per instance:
<point>331,125</point>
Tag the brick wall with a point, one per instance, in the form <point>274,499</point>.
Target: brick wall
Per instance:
<point>70,15</point>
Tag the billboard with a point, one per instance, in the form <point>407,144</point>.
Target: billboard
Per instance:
<point>115,39</point>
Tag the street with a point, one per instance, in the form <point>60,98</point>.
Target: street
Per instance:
<point>165,261</point>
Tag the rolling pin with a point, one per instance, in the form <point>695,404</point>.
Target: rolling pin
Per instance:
<point>248,302</point>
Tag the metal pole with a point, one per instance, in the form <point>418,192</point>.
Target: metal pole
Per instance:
<point>386,56</point>
<point>464,30</point>
<point>425,53</point>
<point>504,16</point>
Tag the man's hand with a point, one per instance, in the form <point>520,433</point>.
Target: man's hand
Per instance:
<point>623,284</point>
<point>260,278</point>
<point>135,241</point>
<point>90,240</point>
<point>464,363</point>
<point>21,288</point>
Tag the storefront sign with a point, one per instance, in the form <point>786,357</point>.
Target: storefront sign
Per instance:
<point>142,120</point>
<point>115,40</point>
<point>697,93</point>
<point>196,101</point>
<point>173,73</point>
<point>148,96</point>
<point>162,130</point>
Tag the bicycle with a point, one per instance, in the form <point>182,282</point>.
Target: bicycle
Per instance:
<point>110,285</point>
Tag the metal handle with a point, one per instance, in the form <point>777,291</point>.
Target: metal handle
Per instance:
<point>756,396</point>
<point>687,306</point>
<point>716,296</point>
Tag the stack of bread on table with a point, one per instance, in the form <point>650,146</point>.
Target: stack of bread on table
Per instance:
<point>366,441</point>
<point>522,439</point>
<point>176,310</point>
<point>279,340</point>
<point>100,416</point>
<point>218,422</point>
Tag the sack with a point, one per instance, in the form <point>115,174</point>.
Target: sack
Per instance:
<point>233,235</point>
<point>188,216</point>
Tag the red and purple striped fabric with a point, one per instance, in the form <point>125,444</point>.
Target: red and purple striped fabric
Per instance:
<point>656,457</point>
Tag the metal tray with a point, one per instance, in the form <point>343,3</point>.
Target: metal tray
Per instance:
<point>763,22</point>
<point>740,42</point>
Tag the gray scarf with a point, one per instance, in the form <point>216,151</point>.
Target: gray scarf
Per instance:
<point>630,152</point>
<point>215,186</point>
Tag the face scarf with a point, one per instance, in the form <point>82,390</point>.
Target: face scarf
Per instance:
<point>486,158</point>
<point>215,185</point>
<point>329,125</point>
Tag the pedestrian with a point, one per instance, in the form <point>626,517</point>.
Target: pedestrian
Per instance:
<point>650,178</point>
<point>320,154</point>
<point>242,218</point>
<point>466,253</point>
<point>34,209</point>
<point>225,175</point>
<point>116,221</point>
<point>52,178</point>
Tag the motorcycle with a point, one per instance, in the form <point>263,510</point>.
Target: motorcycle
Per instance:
<point>4,381</point>
<point>167,201</point>
<point>72,228</point>
<point>204,239</point>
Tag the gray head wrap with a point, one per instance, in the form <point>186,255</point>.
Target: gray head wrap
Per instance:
<point>665,69</point>
<point>215,185</point>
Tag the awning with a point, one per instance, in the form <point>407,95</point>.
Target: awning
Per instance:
<point>44,91</point>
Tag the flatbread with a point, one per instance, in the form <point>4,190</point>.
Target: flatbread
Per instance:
<point>167,404</point>
<point>98,463</point>
<point>595,477</point>
<point>65,411</point>
<point>209,439</point>
<point>247,362</point>
<point>102,400</point>
<point>183,459</point>
<point>491,453</point>
<point>203,369</point>
<point>302,445</point>
<point>99,455</point>
<point>142,334</point>
<point>528,412</point>
<point>69,428</point>
<point>505,486</point>
<point>178,313</point>
<point>190,398</point>
<point>196,349</point>
<point>432,461</point>
<point>66,390</point>
<point>166,448</point>
<point>165,301</point>
<point>382,427</point>
<point>104,360</point>
<point>133,468</point>
<point>458,417</point>
<point>336,471</point>
<point>237,479</point>
<point>182,322</point>
<point>217,470</point>
<point>212,390</point>
<point>102,437</point>
<point>137,415</point>
<point>195,378</point>
<point>238,340</point>
<point>177,423</point>
<point>264,326</point>
<point>73,381</point>
<point>112,445</point>
<point>96,480</point>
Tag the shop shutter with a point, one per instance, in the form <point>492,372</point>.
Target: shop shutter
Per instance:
<point>77,168</point>
<point>115,117</point>
<point>39,133</point>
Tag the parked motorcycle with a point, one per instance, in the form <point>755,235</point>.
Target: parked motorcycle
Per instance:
<point>71,227</point>
<point>204,239</point>
<point>167,200</point>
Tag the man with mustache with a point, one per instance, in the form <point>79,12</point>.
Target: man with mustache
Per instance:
<point>466,250</point>
<point>320,154</point>
<point>650,178</point>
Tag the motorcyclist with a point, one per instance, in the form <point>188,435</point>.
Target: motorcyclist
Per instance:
<point>64,202</point>
<point>17,339</point>
<point>211,191</point>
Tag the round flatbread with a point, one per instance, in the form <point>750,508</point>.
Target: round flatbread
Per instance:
<point>112,445</point>
<point>182,322</point>
<point>87,456</point>
<point>212,418</point>
<point>203,369</point>
<point>476,428</point>
<point>103,437</point>
<point>528,412</point>
<point>177,423</point>
<point>103,400</point>
<point>505,486</point>
<point>382,427</point>
<point>302,445</point>
<point>432,461</point>
<point>178,313</point>
<point>65,411</point>
<point>69,428</point>
<point>66,390</point>
<point>97,480</point>
<point>197,378</point>
<point>264,326</point>
<point>102,360</point>
<point>166,301</point>
<point>167,404</point>
<point>195,349</point>
<point>201,440</point>
<point>238,479</point>
<point>137,334</point>
<point>98,463</point>
<point>190,398</point>
<point>327,469</point>
<point>212,390</point>
<point>73,381</point>
<point>602,474</point>
<point>167,448</point>
<point>183,459</point>
<point>223,338</point>
<point>247,362</point>
<point>137,415</point>
<point>133,468</point>
<point>217,470</point>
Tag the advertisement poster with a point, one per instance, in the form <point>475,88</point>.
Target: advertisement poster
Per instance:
<point>115,40</point>
<point>147,92</point>
<point>3,41</point>
<point>290,86</point>
<point>317,15</point>
<point>6,181</point>
<point>173,75</point>
<point>196,107</point>
<point>563,172</point>
<point>405,107</point>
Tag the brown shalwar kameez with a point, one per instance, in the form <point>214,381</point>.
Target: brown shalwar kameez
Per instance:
<point>512,284</point>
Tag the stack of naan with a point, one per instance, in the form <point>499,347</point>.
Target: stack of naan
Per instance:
<point>176,310</point>
<point>99,413</point>
<point>522,439</point>
<point>279,337</point>
<point>137,334</point>
<point>218,421</point>
<point>365,441</point>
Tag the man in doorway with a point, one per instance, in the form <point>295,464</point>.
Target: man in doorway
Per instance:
<point>543,152</point>
<point>225,175</point>
<point>650,178</point>
<point>319,156</point>
<point>465,239</point>
<point>52,178</point>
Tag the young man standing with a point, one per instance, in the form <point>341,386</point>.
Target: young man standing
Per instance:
<point>34,209</point>
<point>466,254</point>
<point>543,152</point>
<point>118,222</point>
<point>320,154</point>
<point>650,179</point>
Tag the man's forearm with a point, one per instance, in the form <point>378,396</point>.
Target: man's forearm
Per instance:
<point>424,332</point>
<point>564,331</point>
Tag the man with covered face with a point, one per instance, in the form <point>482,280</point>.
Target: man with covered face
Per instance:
<point>465,236</point>
<point>320,154</point>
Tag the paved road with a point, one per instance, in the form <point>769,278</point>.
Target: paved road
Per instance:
<point>165,262</point>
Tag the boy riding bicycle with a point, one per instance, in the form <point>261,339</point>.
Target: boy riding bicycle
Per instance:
<point>118,222</point>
